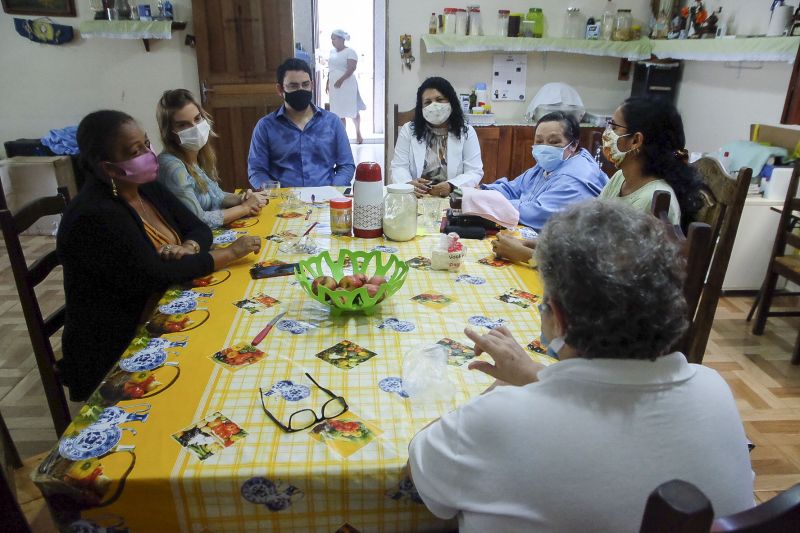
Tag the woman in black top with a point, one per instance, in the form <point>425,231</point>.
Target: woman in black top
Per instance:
<point>122,241</point>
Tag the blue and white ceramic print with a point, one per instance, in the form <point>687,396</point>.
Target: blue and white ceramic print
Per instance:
<point>401,326</point>
<point>275,497</point>
<point>178,306</point>
<point>91,442</point>
<point>484,322</point>
<point>159,343</point>
<point>528,233</point>
<point>393,384</point>
<point>471,280</point>
<point>226,237</point>
<point>143,360</point>
<point>296,392</point>
<point>385,249</point>
<point>295,327</point>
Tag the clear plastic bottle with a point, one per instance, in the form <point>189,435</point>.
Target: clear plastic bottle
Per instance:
<point>502,22</point>
<point>400,212</point>
<point>607,22</point>
<point>433,24</point>
<point>574,24</point>
<point>475,22</point>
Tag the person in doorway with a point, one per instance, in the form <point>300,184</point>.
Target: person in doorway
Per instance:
<point>564,173</point>
<point>646,142</point>
<point>299,145</point>
<point>346,101</point>
<point>122,241</point>
<point>437,151</point>
<point>187,166</point>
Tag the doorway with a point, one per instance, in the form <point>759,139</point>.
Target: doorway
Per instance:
<point>358,20</point>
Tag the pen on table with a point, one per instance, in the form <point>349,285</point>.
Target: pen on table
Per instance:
<point>264,332</point>
<point>309,229</point>
<point>312,199</point>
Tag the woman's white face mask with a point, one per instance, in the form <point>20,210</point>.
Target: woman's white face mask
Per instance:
<point>437,112</point>
<point>196,137</point>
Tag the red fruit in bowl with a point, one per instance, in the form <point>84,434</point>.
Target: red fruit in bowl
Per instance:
<point>349,283</point>
<point>362,278</point>
<point>372,290</point>
<point>325,281</point>
<point>377,280</point>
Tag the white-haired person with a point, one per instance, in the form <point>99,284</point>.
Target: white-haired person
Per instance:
<point>579,445</point>
<point>345,99</point>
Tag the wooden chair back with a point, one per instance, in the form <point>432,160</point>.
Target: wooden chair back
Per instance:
<point>10,511</point>
<point>400,118</point>
<point>694,246</point>
<point>27,278</point>
<point>679,507</point>
<point>724,198</point>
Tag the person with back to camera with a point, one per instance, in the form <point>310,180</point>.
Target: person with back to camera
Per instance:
<point>579,445</point>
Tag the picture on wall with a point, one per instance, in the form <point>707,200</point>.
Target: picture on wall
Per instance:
<point>52,8</point>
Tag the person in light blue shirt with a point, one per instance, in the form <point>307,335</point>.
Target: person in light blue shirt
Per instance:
<point>299,145</point>
<point>564,173</point>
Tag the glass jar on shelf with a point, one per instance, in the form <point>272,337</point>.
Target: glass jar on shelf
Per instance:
<point>575,24</point>
<point>450,20</point>
<point>622,25</point>
<point>502,22</point>
<point>475,26</point>
<point>536,17</point>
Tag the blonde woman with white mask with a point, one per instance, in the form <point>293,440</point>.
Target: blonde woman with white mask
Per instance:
<point>187,166</point>
<point>437,152</point>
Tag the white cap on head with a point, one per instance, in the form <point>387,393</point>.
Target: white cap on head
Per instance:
<point>341,33</point>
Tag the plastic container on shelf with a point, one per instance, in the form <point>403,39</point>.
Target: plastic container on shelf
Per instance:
<point>514,24</point>
<point>481,94</point>
<point>475,22</point>
<point>461,22</point>
<point>607,21</point>
<point>575,24</point>
<point>536,16</point>
<point>450,20</point>
<point>502,22</point>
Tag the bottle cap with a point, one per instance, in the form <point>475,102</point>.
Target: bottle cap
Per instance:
<point>368,171</point>
<point>341,203</point>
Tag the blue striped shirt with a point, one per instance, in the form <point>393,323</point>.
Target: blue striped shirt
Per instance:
<point>317,155</point>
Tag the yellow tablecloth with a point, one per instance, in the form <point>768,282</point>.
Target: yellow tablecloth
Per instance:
<point>267,479</point>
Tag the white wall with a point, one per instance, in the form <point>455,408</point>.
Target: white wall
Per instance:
<point>45,86</point>
<point>718,104</point>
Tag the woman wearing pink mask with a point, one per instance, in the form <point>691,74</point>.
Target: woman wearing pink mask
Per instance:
<point>645,140</point>
<point>188,164</point>
<point>122,241</point>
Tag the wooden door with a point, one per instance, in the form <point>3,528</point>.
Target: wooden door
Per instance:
<point>495,151</point>
<point>240,44</point>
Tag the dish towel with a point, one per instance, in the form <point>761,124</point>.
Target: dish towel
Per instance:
<point>490,205</point>
<point>62,141</point>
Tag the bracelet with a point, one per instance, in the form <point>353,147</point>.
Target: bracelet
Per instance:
<point>194,245</point>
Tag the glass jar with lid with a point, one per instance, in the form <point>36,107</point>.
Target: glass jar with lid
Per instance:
<point>575,24</point>
<point>475,24</point>
<point>400,212</point>
<point>502,22</point>
<point>622,25</point>
<point>450,20</point>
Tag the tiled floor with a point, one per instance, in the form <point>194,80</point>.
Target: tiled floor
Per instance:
<point>766,386</point>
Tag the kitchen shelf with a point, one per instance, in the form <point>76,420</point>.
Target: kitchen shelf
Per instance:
<point>783,49</point>
<point>130,29</point>
<point>738,49</point>
<point>631,50</point>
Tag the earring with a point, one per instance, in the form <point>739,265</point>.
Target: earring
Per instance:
<point>114,188</point>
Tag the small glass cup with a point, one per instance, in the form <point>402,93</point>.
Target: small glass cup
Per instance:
<point>271,188</point>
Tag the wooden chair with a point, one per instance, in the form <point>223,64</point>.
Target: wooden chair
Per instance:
<point>679,507</point>
<point>723,198</point>
<point>696,248</point>
<point>782,264</point>
<point>40,329</point>
<point>13,518</point>
<point>400,118</point>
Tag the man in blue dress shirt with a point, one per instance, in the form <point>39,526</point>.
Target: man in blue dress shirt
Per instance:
<point>299,145</point>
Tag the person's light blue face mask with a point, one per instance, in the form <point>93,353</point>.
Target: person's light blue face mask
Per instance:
<point>553,346</point>
<point>548,157</point>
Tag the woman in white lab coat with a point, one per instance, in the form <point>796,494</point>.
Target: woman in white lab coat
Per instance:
<point>437,151</point>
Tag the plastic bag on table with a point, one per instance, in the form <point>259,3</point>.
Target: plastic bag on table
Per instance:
<point>425,373</point>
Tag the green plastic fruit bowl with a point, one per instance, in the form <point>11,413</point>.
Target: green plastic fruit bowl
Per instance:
<point>368,263</point>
